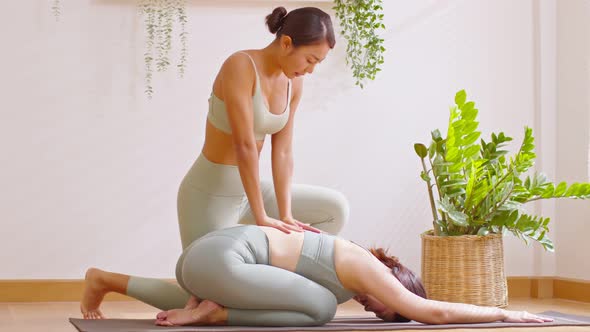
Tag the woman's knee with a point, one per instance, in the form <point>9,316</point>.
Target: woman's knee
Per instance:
<point>325,309</point>
<point>340,206</point>
<point>195,270</point>
<point>178,271</point>
<point>336,204</point>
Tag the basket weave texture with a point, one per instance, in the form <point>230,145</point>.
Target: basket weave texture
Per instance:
<point>466,269</point>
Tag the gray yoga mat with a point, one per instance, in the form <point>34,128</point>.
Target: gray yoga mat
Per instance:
<point>348,323</point>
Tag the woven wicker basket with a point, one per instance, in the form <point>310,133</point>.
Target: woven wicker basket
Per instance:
<point>466,269</point>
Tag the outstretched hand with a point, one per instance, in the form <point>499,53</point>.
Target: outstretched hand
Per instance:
<point>524,317</point>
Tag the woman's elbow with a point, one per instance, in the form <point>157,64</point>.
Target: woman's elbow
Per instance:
<point>440,316</point>
<point>433,316</point>
<point>244,146</point>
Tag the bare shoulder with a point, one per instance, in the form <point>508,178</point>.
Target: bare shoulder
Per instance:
<point>236,77</point>
<point>237,65</point>
<point>352,262</point>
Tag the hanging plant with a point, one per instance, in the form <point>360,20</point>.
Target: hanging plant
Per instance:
<point>55,9</point>
<point>159,18</point>
<point>359,20</point>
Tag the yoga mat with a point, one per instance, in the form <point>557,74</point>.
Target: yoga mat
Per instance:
<point>347,323</point>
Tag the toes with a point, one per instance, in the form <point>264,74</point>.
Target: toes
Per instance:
<point>93,315</point>
<point>164,323</point>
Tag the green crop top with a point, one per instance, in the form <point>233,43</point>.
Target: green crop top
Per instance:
<point>265,122</point>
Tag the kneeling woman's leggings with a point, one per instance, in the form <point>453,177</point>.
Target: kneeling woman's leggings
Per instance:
<point>212,197</point>
<point>231,267</point>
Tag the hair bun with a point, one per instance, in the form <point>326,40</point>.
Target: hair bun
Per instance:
<point>275,20</point>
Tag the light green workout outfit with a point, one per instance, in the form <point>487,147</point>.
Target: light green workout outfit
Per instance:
<point>232,267</point>
<point>212,197</point>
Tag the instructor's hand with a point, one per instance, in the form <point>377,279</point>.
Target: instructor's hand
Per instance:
<point>278,224</point>
<point>295,222</point>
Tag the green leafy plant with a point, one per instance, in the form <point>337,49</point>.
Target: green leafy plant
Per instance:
<point>359,20</point>
<point>159,18</point>
<point>480,189</point>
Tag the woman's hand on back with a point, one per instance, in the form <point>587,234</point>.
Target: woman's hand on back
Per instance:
<point>297,223</point>
<point>286,225</point>
<point>278,224</point>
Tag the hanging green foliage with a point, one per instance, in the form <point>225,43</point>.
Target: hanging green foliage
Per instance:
<point>360,20</point>
<point>159,16</point>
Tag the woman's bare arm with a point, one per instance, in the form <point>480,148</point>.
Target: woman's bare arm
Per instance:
<point>376,279</point>
<point>282,156</point>
<point>237,94</point>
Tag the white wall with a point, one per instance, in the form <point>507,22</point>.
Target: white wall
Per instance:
<point>91,168</point>
<point>573,123</point>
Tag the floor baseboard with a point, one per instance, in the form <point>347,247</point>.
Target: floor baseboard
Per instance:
<point>72,290</point>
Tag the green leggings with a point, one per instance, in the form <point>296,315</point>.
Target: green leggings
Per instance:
<point>212,197</point>
<point>220,267</point>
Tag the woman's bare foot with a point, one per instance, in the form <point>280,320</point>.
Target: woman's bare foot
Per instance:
<point>206,313</point>
<point>94,292</point>
<point>192,303</point>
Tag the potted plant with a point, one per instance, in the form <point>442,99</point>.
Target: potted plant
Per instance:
<point>477,193</point>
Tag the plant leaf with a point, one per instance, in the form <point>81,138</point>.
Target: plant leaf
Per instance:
<point>421,150</point>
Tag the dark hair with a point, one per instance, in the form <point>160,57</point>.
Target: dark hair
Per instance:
<point>405,276</point>
<point>305,26</point>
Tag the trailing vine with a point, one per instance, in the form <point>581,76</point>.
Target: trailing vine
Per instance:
<point>360,20</point>
<point>159,18</point>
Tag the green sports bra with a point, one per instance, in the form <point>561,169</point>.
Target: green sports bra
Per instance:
<point>265,122</point>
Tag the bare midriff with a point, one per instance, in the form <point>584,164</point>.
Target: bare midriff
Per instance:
<point>218,147</point>
<point>285,250</point>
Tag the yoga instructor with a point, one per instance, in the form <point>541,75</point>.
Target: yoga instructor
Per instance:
<point>254,95</point>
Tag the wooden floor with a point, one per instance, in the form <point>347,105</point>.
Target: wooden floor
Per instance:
<point>53,316</point>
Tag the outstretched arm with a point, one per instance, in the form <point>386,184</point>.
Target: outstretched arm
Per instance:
<point>378,281</point>
<point>387,289</point>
